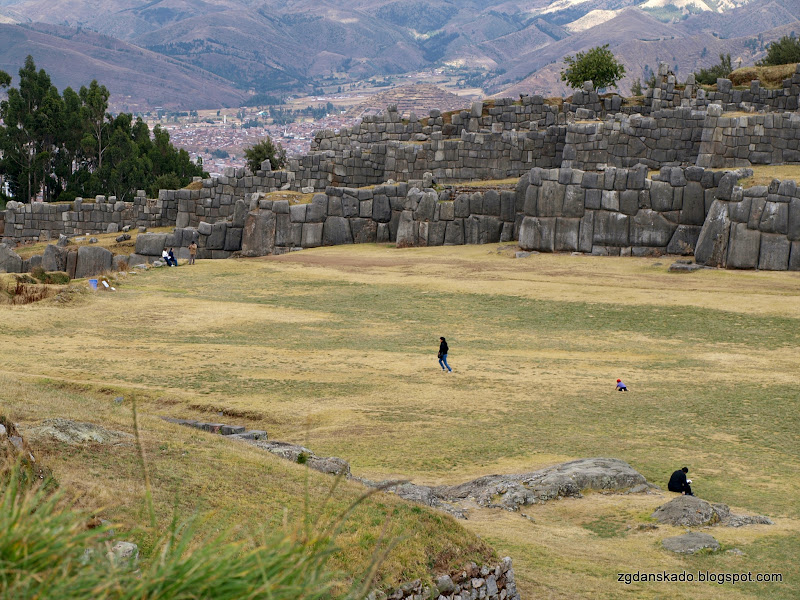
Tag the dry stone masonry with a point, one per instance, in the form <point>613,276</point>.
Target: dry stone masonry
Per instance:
<point>581,166</point>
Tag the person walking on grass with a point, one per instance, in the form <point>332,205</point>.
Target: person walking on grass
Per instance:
<point>192,252</point>
<point>443,350</point>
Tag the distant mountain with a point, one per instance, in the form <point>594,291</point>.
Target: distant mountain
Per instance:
<point>294,46</point>
<point>138,78</point>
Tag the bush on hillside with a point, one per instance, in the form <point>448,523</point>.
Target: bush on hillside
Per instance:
<point>263,150</point>
<point>710,75</point>
<point>597,65</point>
<point>786,50</point>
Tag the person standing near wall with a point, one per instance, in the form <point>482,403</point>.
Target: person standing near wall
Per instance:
<point>192,252</point>
<point>443,350</point>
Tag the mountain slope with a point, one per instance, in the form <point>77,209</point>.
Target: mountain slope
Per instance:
<point>136,78</point>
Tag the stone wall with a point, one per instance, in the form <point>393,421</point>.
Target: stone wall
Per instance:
<point>754,228</point>
<point>489,582</point>
<point>616,212</point>
<point>41,221</point>
<point>758,139</point>
<point>667,137</point>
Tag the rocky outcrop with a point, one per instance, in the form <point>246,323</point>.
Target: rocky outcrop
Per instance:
<point>691,511</point>
<point>567,479</point>
<point>74,433</point>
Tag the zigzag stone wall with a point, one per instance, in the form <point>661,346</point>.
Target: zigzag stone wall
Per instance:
<point>589,160</point>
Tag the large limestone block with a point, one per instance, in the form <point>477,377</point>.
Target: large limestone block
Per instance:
<point>712,243</point>
<point>436,233</point>
<point>336,231</point>
<point>586,233</point>
<point>574,199</point>
<point>462,206</point>
<point>774,254</point>
<point>406,230</point>
<point>508,209</point>
<point>216,241</point>
<point>93,260</point>
<point>150,244</point>
<point>661,196</point>
<point>775,218</point>
<point>258,236</point>
<point>693,211</point>
<point>233,239</point>
<point>54,258</point>
<point>283,230</point>
<point>447,211</point>
<point>649,228</point>
<point>684,240</point>
<point>297,213</point>
<point>551,199</point>
<point>10,261</point>
<point>491,203</point>
<point>240,211</point>
<point>537,233</point>
<point>567,234</point>
<point>743,247</point>
<point>426,209</point>
<point>381,209</point>
<point>350,206</point>
<point>454,233</point>
<point>311,235</point>
<point>740,211</point>
<point>794,257</point>
<point>610,229</point>
<point>530,204</point>
<point>794,220</point>
<point>317,211</point>
<point>365,231</point>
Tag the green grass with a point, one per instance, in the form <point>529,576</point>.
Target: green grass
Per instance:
<point>336,349</point>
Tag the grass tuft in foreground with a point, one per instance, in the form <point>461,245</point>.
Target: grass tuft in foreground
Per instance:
<point>48,552</point>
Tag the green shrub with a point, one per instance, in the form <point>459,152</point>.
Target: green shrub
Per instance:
<point>783,52</point>
<point>263,150</point>
<point>710,75</point>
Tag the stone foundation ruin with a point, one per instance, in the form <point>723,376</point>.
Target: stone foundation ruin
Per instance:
<point>582,173</point>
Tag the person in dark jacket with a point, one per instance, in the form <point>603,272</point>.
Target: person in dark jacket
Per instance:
<point>443,350</point>
<point>173,262</point>
<point>678,482</point>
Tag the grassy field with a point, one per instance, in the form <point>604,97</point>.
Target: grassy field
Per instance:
<point>336,348</point>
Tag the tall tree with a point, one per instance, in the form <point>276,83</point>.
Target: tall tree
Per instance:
<point>30,115</point>
<point>96,121</point>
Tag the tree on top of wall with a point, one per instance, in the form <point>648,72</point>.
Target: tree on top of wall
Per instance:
<point>598,65</point>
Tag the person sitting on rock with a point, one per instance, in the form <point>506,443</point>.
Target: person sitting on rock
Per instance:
<point>678,482</point>
<point>172,260</point>
<point>621,386</point>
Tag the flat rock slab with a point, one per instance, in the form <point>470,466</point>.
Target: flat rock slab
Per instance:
<point>562,480</point>
<point>690,543</point>
<point>74,433</point>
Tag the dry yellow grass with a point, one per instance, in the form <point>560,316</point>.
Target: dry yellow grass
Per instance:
<point>764,174</point>
<point>770,77</point>
<point>106,240</point>
<point>335,348</point>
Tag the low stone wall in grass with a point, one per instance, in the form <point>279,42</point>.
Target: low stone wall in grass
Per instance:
<point>489,582</point>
